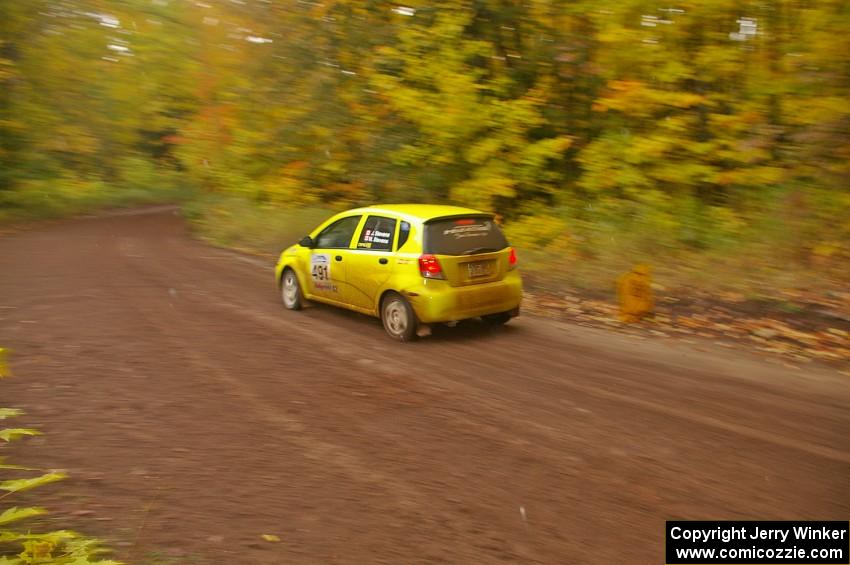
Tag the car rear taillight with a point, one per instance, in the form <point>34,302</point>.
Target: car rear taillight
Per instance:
<point>512,259</point>
<point>430,267</point>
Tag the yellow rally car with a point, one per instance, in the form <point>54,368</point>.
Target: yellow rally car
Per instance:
<point>411,265</point>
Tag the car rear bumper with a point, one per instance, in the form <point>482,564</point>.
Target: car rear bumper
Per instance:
<point>437,301</point>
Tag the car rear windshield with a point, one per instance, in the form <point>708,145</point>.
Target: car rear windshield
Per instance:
<point>466,235</point>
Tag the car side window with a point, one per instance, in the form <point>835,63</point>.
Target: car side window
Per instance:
<point>338,235</point>
<point>377,234</point>
<point>403,234</point>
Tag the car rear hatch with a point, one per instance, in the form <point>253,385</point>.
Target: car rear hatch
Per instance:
<point>471,249</point>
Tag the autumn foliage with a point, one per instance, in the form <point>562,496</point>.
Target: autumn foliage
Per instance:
<point>601,131</point>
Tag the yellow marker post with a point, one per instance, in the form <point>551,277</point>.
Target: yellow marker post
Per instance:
<point>634,291</point>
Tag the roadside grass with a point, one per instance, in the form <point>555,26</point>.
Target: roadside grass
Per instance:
<point>580,256</point>
<point>758,250</point>
<point>757,271</point>
<point>39,199</point>
<point>256,228</point>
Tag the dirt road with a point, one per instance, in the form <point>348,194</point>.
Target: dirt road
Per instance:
<point>194,415</point>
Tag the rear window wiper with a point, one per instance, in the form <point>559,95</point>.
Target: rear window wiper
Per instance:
<point>477,250</point>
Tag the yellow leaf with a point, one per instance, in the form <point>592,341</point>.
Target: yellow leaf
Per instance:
<point>37,551</point>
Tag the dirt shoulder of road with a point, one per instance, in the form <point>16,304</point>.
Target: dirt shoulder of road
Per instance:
<point>812,332</point>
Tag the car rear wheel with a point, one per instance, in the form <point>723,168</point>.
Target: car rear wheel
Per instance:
<point>499,319</point>
<point>398,317</point>
<point>290,291</point>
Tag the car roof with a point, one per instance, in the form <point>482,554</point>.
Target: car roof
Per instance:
<point>423,212</point>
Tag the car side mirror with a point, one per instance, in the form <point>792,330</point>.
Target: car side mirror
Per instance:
<point>307,241</point>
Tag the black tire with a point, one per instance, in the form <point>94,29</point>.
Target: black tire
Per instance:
<point>290,290</point>
<point>398,318</point>
<point>499,319</point>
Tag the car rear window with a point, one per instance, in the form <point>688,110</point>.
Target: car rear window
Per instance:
<point>463,236</point>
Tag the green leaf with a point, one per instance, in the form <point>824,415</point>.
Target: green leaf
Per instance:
<point>11,434</point>
<point>15,514</point>
<point>19,485</point>
<point>9,413</point>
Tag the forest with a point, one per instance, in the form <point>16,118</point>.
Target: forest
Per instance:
<point>710,139</point>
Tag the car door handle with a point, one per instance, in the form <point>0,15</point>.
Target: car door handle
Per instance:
<point>383,261</point>
<point>338,257</point>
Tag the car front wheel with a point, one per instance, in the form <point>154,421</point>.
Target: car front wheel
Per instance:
<point>290,291</point>
<point>398,317</point>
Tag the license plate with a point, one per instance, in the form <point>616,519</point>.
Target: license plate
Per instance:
<point>480,269</point>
